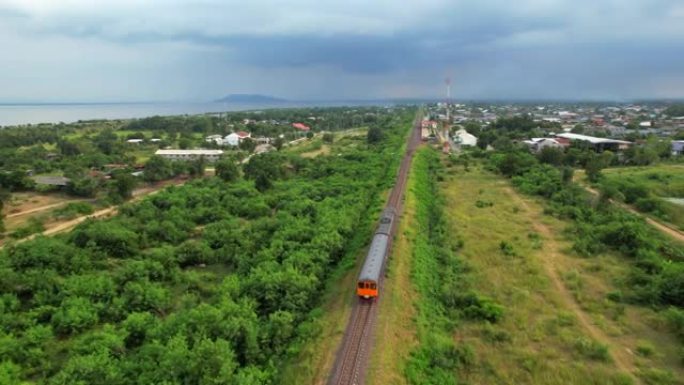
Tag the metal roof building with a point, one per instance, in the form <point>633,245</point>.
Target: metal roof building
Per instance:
<point>600,144</point>
<point>209,155</point>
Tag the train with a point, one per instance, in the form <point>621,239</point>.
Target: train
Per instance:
<point>369,277</point>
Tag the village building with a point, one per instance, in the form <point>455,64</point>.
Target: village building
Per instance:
<point>538,144</point>
<point>49,180</point>
<point>464,138</point>
<point>599,144</point>
<point>188,155</point>
<point>678,147</point>
<point>218,139</point>
<point>301,126</point>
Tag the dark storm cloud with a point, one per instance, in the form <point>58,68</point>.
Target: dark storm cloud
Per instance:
<point>493,48</point>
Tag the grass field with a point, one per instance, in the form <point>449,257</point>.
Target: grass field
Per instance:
<point>559,326</point>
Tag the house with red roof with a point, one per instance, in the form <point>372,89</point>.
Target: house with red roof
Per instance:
<point>301,126</point>
<point>243,135</point>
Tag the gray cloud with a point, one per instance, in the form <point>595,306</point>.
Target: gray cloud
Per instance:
<point>311,49</point>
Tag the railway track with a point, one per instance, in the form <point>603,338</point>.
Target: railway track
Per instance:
<point>350,365</point>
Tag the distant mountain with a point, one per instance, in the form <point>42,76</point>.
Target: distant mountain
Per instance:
<point>251,99</point>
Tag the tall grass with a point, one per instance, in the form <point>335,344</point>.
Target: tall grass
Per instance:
<point>437,274</point>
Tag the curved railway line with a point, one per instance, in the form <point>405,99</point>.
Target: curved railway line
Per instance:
<point>352,358</point>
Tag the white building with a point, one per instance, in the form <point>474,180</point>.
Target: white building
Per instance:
<point>232,139</point>
<point>538,144</point>
<point>463,138</point>
<point>186,155</point>
<point>218,139</point>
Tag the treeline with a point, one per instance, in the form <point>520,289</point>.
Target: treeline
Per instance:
<point>208,283</point>
<point>657,275</point>
<point>74,150</point>
<point>269,123</point>
<point>440,277</point>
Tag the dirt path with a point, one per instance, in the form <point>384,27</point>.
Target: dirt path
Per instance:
<point>672,232</point>
<point>46,207</point>
<point>137,195</point>
<point>622,357</point>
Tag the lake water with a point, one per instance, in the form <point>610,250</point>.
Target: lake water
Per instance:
<point>15,114</point>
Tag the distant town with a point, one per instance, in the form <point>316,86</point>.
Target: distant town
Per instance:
<point>614,127</point>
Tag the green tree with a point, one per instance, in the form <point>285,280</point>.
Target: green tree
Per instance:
<point>262,182</point>
<point>278,143</point>
<point>74,314</point>
<point>10,373</point>
<point>106,141</point>
<point>184,143</point>
<point>247,144</point>
<point>328,137</point>
<point>157,168</point>
<point>121,185</point>
<point>264,169</point>
<point>551,155</point>
<point>197,167</point>
<point>4,196</point>
<point>227,170</point>
<point>593,169</point>
<point>83,187</point>
<point>374,134</point>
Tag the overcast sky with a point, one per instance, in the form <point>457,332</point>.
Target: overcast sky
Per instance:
<point>125,50</point>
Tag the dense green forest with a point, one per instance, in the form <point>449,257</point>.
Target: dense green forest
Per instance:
<point>209,283</point>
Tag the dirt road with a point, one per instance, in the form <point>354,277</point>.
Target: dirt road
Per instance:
<point>623,358</point>
<point>44,208</point>
<point>137,195</point>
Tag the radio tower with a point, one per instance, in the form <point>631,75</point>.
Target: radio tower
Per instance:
<point>447,81</point>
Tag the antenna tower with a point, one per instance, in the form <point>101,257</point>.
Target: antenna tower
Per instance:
<point>447,81</point>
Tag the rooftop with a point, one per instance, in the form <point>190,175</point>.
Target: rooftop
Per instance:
<point>591,139</point>
<point>188,152</point>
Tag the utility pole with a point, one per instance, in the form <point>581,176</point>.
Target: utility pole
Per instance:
<point>447,123</point>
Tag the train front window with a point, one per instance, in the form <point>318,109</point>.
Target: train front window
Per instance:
<point>360,285</point>
<point>372,286</point>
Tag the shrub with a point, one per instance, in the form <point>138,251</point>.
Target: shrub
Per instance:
<point>592,349</point>
<point>615,296</point>
<point>653,376</point>
<point>33,226</point>
<point>494,335</point>
<point>675,319</point>
<point>648,205</point>
<point>645,349</point>
<point>507,249</point>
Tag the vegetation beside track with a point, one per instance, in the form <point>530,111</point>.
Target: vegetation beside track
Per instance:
<point>213,282</point>
<point>445,296</point>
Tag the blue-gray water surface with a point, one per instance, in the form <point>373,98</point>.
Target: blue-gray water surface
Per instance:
<point>20,114</point>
